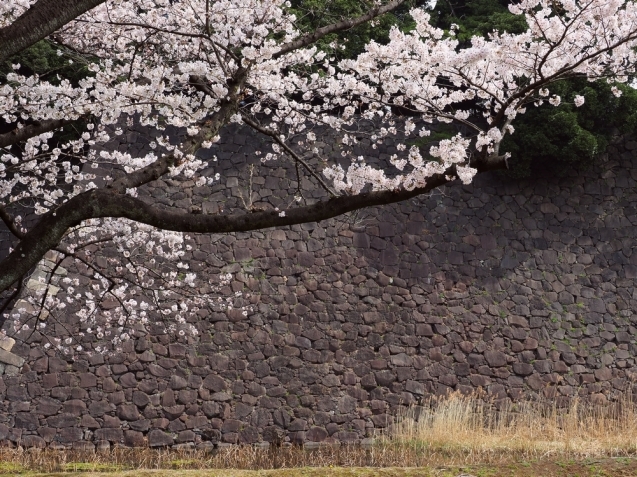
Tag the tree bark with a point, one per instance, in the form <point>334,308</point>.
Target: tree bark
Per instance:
<point>38,22</point>
<point>38,127</point>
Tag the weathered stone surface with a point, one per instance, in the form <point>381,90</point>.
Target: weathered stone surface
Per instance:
<point>134,439</point>
<point>48,406</point>
<point>128,412</point>
<point>62,420</point>
<point>518,288</point>
<point>88,380</point>
<point>214,383</point>
<point>89,422</point>
<point>57,365</point>
<point>159,438</point>
<point>33,441</point>
<point>27,421</point>
<point>316,434</point>
<point>603,374</point>
<point>385,378</point>
<point>140,399</point>
<point>17,393</point>
<point>128,380</point>
<point>7,343</point>
<point>99,408</point>
<point>495,359</point>
<point>173,412</point>
<point>109,434</point>
<point>523,369</point>
<point>74,407</point>
<point>249,435</point>
<point>177,382</point>
<point>70,435</point>
<point>221,397</point>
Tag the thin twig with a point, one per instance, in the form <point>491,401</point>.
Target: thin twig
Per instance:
<point>294,155</point>
<point>313,37</point>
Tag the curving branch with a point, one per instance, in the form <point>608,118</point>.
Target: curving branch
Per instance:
<point>39,21</point>
<point>101,203</point>
<point>31,130</point>
<point>310,38</point>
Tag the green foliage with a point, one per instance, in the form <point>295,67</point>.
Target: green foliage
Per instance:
<point>444,131</point>
<point>91,467</point>
<point>11,468</point>
<point>547,139</point>
<point>477,18</point>
<point>42,59</point>
<point>551,140</point>
<point>312,14</point>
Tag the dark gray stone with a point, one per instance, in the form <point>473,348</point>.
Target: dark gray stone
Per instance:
<point>159,438</point>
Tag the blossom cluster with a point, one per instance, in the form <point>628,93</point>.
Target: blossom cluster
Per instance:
<point>117,287</point>
<point>426,72</point>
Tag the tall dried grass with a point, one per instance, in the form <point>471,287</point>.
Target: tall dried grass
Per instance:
<point>467,429</point>
<point>457,430</point>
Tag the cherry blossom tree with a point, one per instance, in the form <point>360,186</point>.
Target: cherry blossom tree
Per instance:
<point>203,65</point>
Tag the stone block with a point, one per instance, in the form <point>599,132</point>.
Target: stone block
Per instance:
<point>7,343</point>
<point>159,438</point>
<point>134,439</point>
<point>9,358</point>
<point>495,359</point>
<point>69,435</point>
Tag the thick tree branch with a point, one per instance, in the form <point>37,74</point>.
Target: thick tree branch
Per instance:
<point>34,129</point>
<point>101,203</point>
<point>319,33</point>
<point>491,163</point>
<point>38,22</point>
<point>147,174</point>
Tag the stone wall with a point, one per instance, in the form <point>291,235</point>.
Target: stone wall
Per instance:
<point>523,289</point>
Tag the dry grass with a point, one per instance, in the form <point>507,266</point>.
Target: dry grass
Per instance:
<point>14,461</point>
<point>539,469</point>
<point>467,430</point>
<point>295,472</point>
<point>457,431</point>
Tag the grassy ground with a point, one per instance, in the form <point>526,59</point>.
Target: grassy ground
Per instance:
<point>619,467</point>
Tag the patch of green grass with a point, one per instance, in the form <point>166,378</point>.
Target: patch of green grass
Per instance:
<point>183,463</point>
<point>11,468</point>
<point>534,468</point>
<point>92,467</point>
